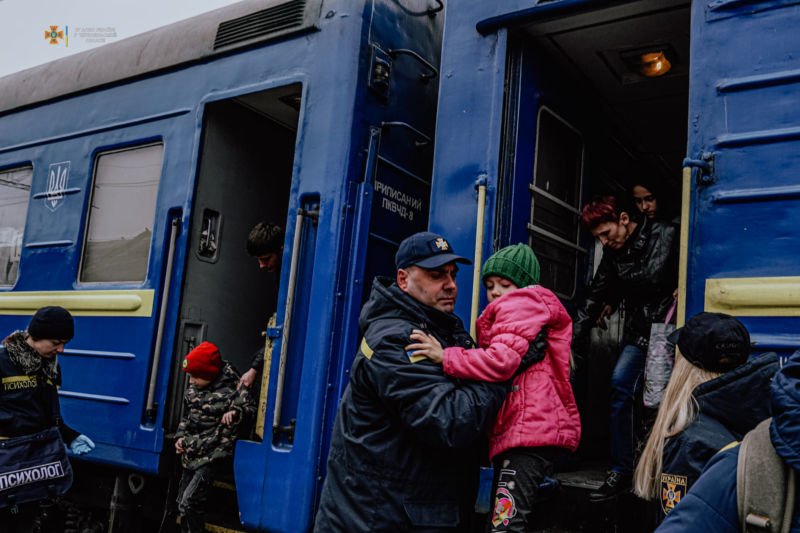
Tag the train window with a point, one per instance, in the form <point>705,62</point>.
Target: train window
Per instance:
<point>15,188</point>
<point>554,227</point>
<point>121,216</point>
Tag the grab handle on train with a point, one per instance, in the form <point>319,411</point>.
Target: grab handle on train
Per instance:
<point>480,185</point>
<point>702,169</point>
<point>424,77</point>
<point>150,406</point>
<point>302,215</point>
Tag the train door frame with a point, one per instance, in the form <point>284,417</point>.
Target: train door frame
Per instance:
<point>221,233</point>
<point>536,72</point>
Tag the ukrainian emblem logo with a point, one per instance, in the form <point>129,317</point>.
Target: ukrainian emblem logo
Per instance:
<point>441,244</point>
<point>57,178</point>
<point>53,34</point>
<point>673,488</point>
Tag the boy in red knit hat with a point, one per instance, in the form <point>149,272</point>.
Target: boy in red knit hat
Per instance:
<point>214,409</point>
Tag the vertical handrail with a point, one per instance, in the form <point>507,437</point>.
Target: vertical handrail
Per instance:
<point>683,262</point>
<point>476,266</point>
<point>261,414</point>
<point>287,320</point>
<point>162,317</point>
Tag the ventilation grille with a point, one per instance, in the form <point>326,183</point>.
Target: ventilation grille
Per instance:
<point>261,24</point>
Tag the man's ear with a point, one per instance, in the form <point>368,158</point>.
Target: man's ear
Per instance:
<point>624,218</point>
<point>402,279</point>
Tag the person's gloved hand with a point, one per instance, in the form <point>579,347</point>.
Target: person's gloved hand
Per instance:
<point>82,444</point>
<point>535,353</point>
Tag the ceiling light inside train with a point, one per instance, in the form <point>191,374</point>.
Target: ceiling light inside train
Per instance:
<point>654,64</point>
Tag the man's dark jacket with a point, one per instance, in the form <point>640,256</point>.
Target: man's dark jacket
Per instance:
<point>406,444</point>
<point>728,407</point>
<point>711,504</point>
<point>643,274</point>
<point>28,403</point>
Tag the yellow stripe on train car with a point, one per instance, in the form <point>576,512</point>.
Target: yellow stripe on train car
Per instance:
<point>775,296</point>
<point>122,303</point>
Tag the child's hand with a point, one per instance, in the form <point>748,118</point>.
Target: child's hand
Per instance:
<point>227,418</point>
<point>425,345</point>
<point>247,379</point>
<point>602,320</point>
<point>179,446</point>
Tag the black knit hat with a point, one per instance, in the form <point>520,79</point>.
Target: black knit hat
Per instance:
<point>713,341</point>
<point>53,323</point>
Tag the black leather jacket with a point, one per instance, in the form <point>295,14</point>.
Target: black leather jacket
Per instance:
<point>406,444</point>
<point>643,274</point>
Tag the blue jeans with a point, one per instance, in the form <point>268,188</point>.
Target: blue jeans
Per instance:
<point>625,381</point>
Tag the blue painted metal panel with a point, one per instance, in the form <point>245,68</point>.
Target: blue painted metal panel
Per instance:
<point>470,117</point>
<point>743,93</point>
<point>106,372</point>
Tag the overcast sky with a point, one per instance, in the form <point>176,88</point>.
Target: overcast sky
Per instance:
<point>82,24</point>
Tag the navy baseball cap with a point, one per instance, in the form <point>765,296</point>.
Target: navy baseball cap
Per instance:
<point>426,250</point>
<point>713,341</point>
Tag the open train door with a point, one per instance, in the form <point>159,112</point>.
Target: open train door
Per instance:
<point>741,217</point>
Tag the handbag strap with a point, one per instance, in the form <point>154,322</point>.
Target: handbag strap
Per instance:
<point>671,311</point>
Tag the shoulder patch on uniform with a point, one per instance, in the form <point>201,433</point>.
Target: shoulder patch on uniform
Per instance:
<point>365,350</point>
<point>415,358</point>
<point>19,382</point>
<point>673,488</point>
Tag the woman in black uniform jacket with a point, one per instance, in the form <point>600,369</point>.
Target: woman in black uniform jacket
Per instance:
<point>29,380</point>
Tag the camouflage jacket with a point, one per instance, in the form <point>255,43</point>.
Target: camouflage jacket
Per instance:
<point>205,438</point>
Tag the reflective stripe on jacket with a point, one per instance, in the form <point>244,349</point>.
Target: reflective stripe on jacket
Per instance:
<point>407,440</point>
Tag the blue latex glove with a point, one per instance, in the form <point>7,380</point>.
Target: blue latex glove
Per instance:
<point>82,444</point>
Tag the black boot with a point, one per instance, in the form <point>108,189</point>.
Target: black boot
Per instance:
<point>615,484</point>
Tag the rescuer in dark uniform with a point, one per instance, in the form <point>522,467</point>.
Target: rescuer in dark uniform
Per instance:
<point>406,443</point>
<point>29,380</point>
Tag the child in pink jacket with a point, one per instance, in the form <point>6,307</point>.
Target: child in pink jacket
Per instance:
<point>539,419</point>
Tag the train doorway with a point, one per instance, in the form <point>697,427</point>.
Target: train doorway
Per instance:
<point>596,102</point>
<point>244,177</point>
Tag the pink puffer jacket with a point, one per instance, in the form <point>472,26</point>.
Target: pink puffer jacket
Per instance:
<point>540,410</point>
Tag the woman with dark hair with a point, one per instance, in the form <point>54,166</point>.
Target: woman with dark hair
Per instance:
<point>645,197</point>
<point>649,198</point>
<point>639,267</point>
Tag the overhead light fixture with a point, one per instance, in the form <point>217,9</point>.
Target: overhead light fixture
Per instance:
<point>643,63</point>
<point>654,64</point>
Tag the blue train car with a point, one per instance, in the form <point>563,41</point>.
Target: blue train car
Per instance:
<point>130,176</point>
<point>552,102</point>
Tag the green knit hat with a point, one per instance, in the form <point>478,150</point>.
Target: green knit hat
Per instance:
<point>517,263</point>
